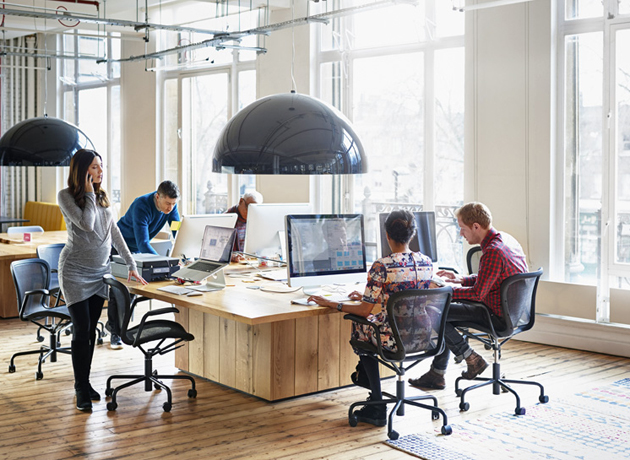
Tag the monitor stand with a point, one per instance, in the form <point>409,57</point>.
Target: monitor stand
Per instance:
<point>214,282</point>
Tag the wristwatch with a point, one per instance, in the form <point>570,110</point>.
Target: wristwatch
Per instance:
<point>339,306</point>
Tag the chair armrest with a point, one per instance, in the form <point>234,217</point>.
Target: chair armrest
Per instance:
<point>160,311</point>
<point>451,269</point>
<point>27,294</point>
<point>377,333</point>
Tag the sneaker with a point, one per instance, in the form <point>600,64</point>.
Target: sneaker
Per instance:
<point>476,365</point>
<point>375,415</point>
<point>115,342</point>
<point>431,380</point>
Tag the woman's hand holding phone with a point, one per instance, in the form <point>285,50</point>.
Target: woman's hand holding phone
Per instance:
<point>89,181</point>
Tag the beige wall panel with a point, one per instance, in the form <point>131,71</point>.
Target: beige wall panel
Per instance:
<point>620,306</point>
<point>212,343</point>
<point>328,360</point>
<point>566,299</point>
<point>306,340</point>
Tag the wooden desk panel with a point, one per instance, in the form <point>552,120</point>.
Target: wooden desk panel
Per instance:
<point>37,238</point>
<point>258,342</point>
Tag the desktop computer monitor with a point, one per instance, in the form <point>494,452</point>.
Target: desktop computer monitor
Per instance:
<point>190,234</point>
<point>264,234</point>
<point>325,249</point>
<point>424,241</point>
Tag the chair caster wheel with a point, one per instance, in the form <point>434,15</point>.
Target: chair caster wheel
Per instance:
<point>458,392</point>
<point>393,435</point>
<point>464,406</point>
<point>352,420</point>
<point>11,368</point>
<point>39,375</point>
<point>68,331</point>
<point>109,391</point>
<point>40,338</point>
<point>99,341</point>
<point>487,347</point>
<point>520,411</point>
<point>435,415</point>
<point>167,406</point>
<point>111,406</point>
<point>156,386</point>
<point>192,393</point>
<point>447,430</point>
<point>544,399</point>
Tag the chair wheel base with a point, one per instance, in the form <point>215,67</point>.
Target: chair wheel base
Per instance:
<point>446,430</point>
<point>519,411</point>
<point>353,421</point>
<point>393,435</point>
<point>11,368</point>
<point>99,341</point>
<point>544,399</point>
<point>109,391</point>
<point>111,406</point>
<point>464,406</point>
<point>192,393</point>
<point>167,406</point>
<point>39,375</point>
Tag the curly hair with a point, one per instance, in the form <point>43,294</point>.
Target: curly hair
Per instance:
<point>475,212</point>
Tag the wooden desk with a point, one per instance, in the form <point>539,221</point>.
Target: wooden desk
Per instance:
<point>258,342</point>
<point>15,249</point>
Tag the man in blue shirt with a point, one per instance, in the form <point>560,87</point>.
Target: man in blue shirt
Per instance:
<point>143,220</point>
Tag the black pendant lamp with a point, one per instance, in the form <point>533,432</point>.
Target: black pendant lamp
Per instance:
<point>289,134</point>
<point>42,141</point>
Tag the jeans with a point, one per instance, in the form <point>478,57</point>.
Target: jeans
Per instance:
<point>454,341</point>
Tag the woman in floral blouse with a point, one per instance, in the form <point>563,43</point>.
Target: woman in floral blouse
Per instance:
<point>399,271</point>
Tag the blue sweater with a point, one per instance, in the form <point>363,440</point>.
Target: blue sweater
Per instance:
<point>142,222</point>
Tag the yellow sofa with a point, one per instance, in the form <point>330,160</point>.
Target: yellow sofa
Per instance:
<point>46,215</point>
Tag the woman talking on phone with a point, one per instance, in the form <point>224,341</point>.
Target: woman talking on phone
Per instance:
<point>85,259</point>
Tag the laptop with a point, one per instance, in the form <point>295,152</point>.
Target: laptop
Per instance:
<point>216,253</point>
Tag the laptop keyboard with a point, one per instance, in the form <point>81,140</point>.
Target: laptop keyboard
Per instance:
<point>204,266</point>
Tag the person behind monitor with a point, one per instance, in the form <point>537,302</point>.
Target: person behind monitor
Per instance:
<point>501,257</point>
<point>241,222</point>
<point>144,219</point>
<point>84,260</point>
<point>401,270</point>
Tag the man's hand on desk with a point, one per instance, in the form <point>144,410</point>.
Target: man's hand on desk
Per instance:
<point>450,276</point>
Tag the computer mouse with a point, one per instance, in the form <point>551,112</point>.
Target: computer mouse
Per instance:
<point>194,293</point>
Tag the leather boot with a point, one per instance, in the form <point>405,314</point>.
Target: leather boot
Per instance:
<point>431,380</point>
<point>476,365</point>
<point>81,365</point>
<point>94,395</point>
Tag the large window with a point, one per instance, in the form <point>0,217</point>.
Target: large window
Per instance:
<point>202,90</point>
<point>398,74</point>
<point>91,97</point>
<point>595,144</point>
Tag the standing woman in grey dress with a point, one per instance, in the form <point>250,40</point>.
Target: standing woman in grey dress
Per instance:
<point>85,259</point>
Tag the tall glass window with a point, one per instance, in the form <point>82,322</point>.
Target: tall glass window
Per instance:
<point>398,73</point>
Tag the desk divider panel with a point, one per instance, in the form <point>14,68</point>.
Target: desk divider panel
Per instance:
<point>181,354</point>
<point>196,348</point>
<point>227,347</point>
<point>306,346</point>
<point>328,351</point>
<point>283,359</point>
<point>244,361</point>
<point>211,347</point>
<point>261,366</point>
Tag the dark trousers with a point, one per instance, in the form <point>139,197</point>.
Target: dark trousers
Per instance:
<point>455,343</point>
<point>85,316</point>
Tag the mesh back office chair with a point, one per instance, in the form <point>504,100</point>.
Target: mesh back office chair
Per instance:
<point>32,280</point>
<point>147,331</point>
<point>418,319</point>
<point>518,304</point>
<point>473,256</point>
<point>27,229</point>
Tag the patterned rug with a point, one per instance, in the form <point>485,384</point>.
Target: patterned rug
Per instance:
<point>591,425</point>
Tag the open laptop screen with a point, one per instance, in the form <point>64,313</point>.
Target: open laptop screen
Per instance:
<point>217,244</point>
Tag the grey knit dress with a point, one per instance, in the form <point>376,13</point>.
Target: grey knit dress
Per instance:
<point>85,258</point>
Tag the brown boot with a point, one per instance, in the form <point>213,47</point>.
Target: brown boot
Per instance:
<point>476,365</point>
<point>431,380</point>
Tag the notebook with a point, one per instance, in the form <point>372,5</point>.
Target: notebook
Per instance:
<point>216,252</point>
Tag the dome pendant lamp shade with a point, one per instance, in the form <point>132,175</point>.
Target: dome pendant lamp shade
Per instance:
<point>42,141</point>
<point>289,134</point>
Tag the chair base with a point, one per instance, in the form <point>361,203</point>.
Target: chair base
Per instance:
<point>44,352</point>
<point>399,401</point>
<point>151,381</point>
<point>498,383</point>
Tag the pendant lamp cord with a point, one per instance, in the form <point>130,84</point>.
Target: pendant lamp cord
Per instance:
<point>294,87</point>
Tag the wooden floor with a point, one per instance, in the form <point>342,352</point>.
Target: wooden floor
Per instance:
<point>38,419</point>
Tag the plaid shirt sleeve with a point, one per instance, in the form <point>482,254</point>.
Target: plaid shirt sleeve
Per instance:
<point>479,288</point>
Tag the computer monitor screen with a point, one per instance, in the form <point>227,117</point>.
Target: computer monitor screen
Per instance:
<point>264,234</point>
<point>424,241</point>
<point>217,244</point>
<point>190,234</point>
<point>325,249</point>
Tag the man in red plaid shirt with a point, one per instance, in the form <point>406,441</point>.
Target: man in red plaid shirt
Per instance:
<point>502,257</point>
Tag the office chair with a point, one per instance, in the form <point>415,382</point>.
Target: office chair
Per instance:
<point>418,319</point>
<point>50,253</point>
<point>147,331</point>
<point>472,259</point>
<point>27,229</point>
<point>32,280</point>
<point>518,304</point>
